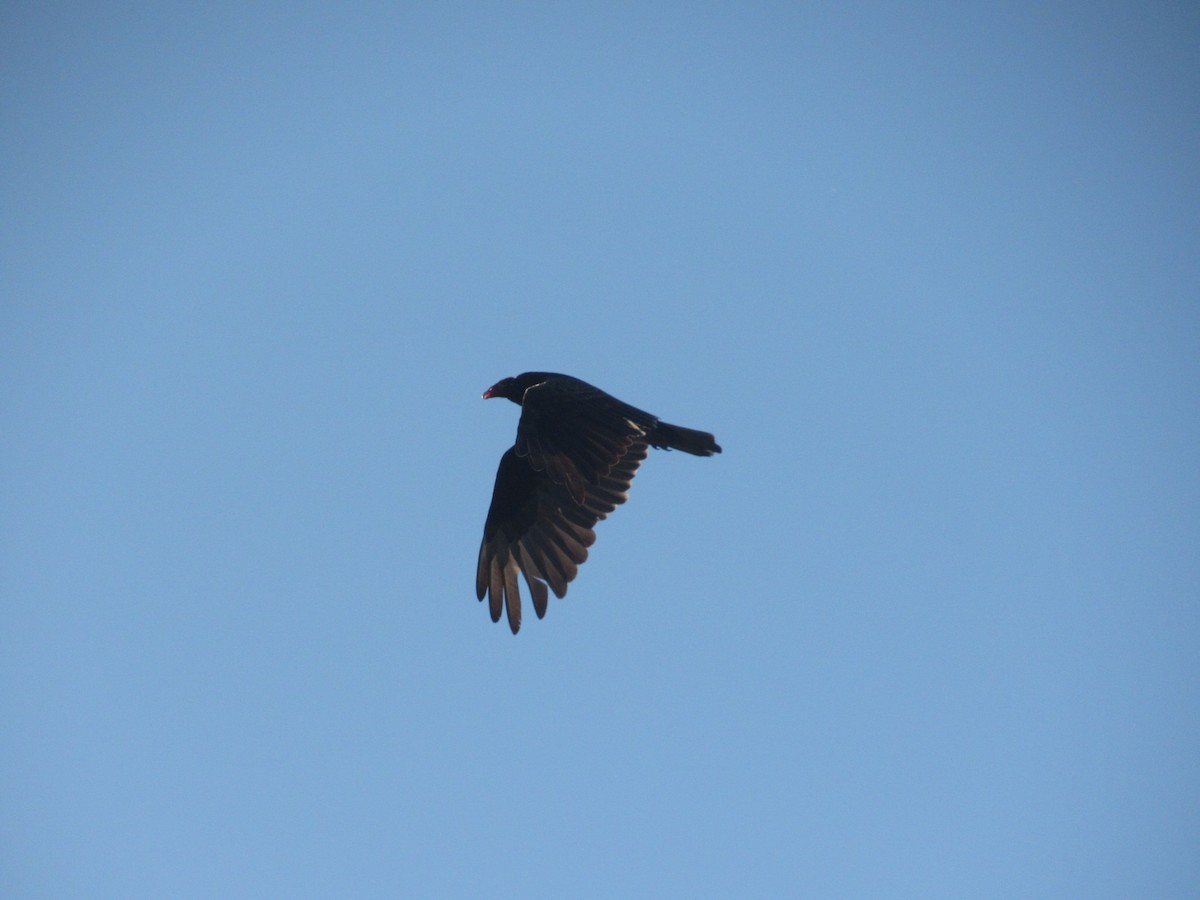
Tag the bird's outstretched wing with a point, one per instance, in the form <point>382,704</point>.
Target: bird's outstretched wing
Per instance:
<point>538,527</point>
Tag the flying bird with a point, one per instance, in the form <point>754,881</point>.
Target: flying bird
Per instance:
<point>575,456</point>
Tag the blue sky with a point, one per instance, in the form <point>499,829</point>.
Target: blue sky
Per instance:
<point>928,626</point>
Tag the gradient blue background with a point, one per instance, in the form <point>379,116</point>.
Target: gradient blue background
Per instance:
<point>928,628</point>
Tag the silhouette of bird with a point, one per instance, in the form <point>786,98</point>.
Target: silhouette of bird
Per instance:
<point>575,456</point>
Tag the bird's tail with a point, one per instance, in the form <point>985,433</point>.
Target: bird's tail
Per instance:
<point>675,437</point>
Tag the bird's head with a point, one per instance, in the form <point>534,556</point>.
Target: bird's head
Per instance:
<point>514,388</point>
<point>505,387</point>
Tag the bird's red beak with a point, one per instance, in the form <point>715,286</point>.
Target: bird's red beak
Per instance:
<point>488,395</point>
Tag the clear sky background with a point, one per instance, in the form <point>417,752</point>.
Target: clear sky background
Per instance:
<point>928,628</point>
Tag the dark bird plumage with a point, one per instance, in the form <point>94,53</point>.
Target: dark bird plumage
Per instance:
<point>576,453</point>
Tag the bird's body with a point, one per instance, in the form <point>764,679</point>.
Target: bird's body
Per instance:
<point>575,456</point>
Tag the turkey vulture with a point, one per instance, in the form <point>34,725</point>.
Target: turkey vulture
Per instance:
<point>577,451</point>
